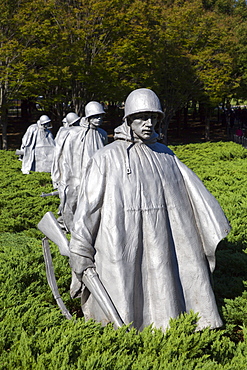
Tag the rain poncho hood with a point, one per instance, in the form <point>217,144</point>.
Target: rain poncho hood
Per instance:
<point>150,227</point>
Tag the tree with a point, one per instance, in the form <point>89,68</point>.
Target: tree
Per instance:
<point>240,49</point>
<point>24,51</point>
<point>205,39</point>
<point>74,51</point>
<point>180,49</point>
<point>11,66</point>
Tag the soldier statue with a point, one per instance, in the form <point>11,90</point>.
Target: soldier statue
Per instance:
<point>77,144</point>
<point>69,121</point>
<point>37,147</point>
<point>148,226</point>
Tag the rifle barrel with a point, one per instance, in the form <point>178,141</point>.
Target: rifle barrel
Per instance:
<point>49,194</point>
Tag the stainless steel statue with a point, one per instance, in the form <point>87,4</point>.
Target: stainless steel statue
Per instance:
<point>71,119</point>
<point>75,147</point>
<point>37,147</point>
<point>148,226</point>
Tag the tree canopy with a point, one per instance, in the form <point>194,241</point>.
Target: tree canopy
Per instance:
<point>72,51</point>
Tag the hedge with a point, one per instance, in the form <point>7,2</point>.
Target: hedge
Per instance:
<point>35,335</point>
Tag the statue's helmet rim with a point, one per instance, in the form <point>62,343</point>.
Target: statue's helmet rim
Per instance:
<point>93,108</point>
<point>142,100</point>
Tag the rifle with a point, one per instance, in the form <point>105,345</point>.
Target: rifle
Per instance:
<point>49,194</point>
<point>51,229</point>
<point>51,278</point>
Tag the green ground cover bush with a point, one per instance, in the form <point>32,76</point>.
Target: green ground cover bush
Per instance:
<point>35,335</point>
<point>20,202</point>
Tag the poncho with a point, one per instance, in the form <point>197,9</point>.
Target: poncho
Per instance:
<point>76,146</point>
<point>38,146</point>
<point>150,227</point>
<point>56,167</point>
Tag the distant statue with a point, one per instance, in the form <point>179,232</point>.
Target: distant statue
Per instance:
<point>65,122</point>
<point>76,146</point>
<point>148,225</point>
<point>69,121</point>
<point>37,147</point>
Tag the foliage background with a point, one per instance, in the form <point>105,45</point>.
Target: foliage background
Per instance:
<point>35,335</point>
<point>70,52</point>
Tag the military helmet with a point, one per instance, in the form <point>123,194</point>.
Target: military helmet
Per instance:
<point>142,100</point>
<point>93,108</point>
<point>72,118</point>
<point>44,119</point>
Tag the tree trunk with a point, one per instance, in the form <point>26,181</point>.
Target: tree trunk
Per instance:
<point>194,110</point>
<point>24,109</point>
<point>164,128</point>
<point>4,118</point>
<point>178,120</point>
<point>207,123</point>
<point>186,116</point>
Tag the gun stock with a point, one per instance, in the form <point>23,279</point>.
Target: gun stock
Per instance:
<point>52,230</point>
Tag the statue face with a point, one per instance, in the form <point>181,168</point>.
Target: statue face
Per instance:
<point>40,126</point>
<point>96,120</point>
<point>143,124</point>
